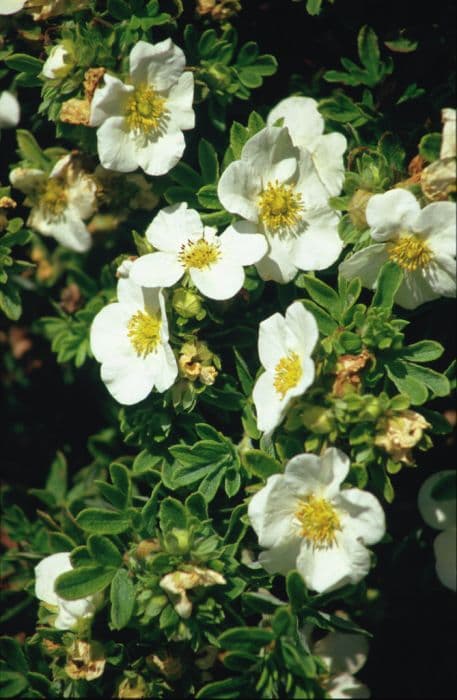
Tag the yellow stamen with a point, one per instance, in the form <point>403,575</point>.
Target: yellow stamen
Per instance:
<point>199,254</point>
<point>410,252</point>
<point>54,198</point>
<point>279,206</point>
<point>319,522</point>
<point>288,373</point>
<point>145,110</point>
<point>144,332</point>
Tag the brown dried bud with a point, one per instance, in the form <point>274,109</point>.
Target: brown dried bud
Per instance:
<point>71,298</point>
<point>85,661</point>
<point>208,375</point>
<point>92,79</point>
<point>399,433</point>
<point>348,368</point>
<point>75,111</point>
<point>169,666</point>
<point>7,203</point>
<point>146,547</point>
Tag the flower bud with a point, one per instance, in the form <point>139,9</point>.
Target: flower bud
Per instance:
<point>398,434</point>
<point>357,208</point>
<point>317,419</point>
<point>59,62</point>
<point>186,303</point>
<point>135,687</point>
<point>85,661</point>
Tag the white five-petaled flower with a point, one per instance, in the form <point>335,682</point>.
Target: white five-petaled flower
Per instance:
<point>273,186</point>
<point>441,515</point>
<point>10,110</point>
<point>421,242</point>
<point>285,346</point>
<point>130,339</point>
<point>305,521</point>
<point>214,263</point>
<point>142,123</point>
<point>60,202</point>
<point>69,612</point>
<point>306,127</point>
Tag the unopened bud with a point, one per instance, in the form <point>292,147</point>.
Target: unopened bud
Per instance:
<point>357,208</point>
<point>186,303</point>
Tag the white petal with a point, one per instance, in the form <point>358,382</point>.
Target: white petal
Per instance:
<point>179,102</point>
<point>9,110</point>
<point>301,117</point>
<point>258,504</point>
<point>46,573</point>
<point>157,270</point>
<point>278,264</point>
<point>116,148</point>
<point>130,294</point>
<point>323,570</point>
<point>366,520</point>
<point>10,6</point>
<point>438,514</point>
<point>269,406</point>
<point>108,333</point>
<point>445,553</point>
<point>275,525</point>
<point>28,180</point>
<point>342,652</point>
<point>441,276</point>
<point>241,243</point>
<point>164,366</point>
<point>128,380</point>
<point>65,620</point>
<point>416,287</point>
<point>69,230</point>
<point>159,65</point>
<point>281,559</point>
<point>220,281</point>
<point>158,156</point>
<point>346,686</point>
<point>173,226</point>
<point>437,219</point>
<point>238,190</point>
<point>388,212</point>
<point>303,325</point>
<point>365,264</point>
<point>328,159</point>
<point>448,146</point>
<point>82,196</point>
<point>272,340</point>
<point>109,100</point>
<point>54,62</point>
<point>322,475</point>
<point>271,155</point>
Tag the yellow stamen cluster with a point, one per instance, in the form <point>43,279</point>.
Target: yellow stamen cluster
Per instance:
<point>144,332</point>
<point>199,254</point>
<point>319,522</point>
<point>145,110</point>
<point>410,252</point>
<point>288,373</point>
<point>280,206</point>
<point>53,199</point>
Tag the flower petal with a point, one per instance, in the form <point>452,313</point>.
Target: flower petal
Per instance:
<point>159,65</point>
<point>388,212</point>
<point>271,155</point>
<point>327,156</point>
<point>271,511</point>
<point>241,244</point>
<point>445,553</point>
<point>109,100</point>
<point>10,6</point>
<point>108,333</point>
<point>69,230</point>
<point>238,190</point>
<point>303,325</point>
<point>269,406</point>
<point>46,573</point>
<point>365,264</point>
<point>323,570</point>
<point>179,102</point>
<point>28,180</point>
<point>342,652</point>
<point>220,281</point>
<point>416,287</point>
<point>173,226</point>
<point>157,270</point>
<point>272,340</point>
<point>116,148</point>
<point>301,117</point>
<point>345,686</point>
<point>158,156</point>
<point>278,264</point>
<point>129,379</point>
<point>320,245</point>
<point>365,517</point>
<point>10,110</point>
<point>281,559</point>
<point>438,514</point>
<point>164,367</point>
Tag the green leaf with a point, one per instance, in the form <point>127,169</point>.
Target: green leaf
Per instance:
<point>322,294</point>
<point>436,382</point>
<point>248,54</point>
<point>122,596</point>
<point>422,351</point>
<point>84,581</point>
<point>10,301</point>
<point>172,514</point>
<point>296,590</point>
<point>238,137</point>
<point>313,7</point>
<point>402,45</point>
<point>207,197</point>
<point>119,9</point>
<point>430,146</point>
<point>368,46</point>
<point>398,373</point>
<point>249,639</point>
<point>120,477</point>
<point>30,150</point>
<point>57,480</point>
<point>103,551</point>
<point>260,464</point>
<point>325,322</point>
<point>103,522</point>
<point>244,375</point>
<point>11,652</point>
<point>21,62</point>
<point>223,690</point>
<point>209,165</point>
<point>12,684</point>
<point>388,283</point>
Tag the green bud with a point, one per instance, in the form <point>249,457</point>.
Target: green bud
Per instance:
<point>317,419</point>
<point>186,303</point>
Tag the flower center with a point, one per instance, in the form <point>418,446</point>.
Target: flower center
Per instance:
<point>54,198</point>
<point>144,332</point>
<point>279,206</point>
<point>319,521</point>
<point>288,372</point>
<point>410,252</point>
<point>145,110</point>
<point>199,254</point>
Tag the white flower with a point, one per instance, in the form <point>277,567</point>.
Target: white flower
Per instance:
<point>9,110</point>
<point>421,242</point>
<point>69,612</point>
<point>285,346</point>
<point>273,186</point>
<point>306,522</point>
<point>56,66</point>
<point>60,202</point>
<point>130,339</point>
<point>441,515</point>
<point>215,263</point>
<point>344,655</point>
<point>306,127</point>
<point>141,123</point>
<point>9,7</point>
